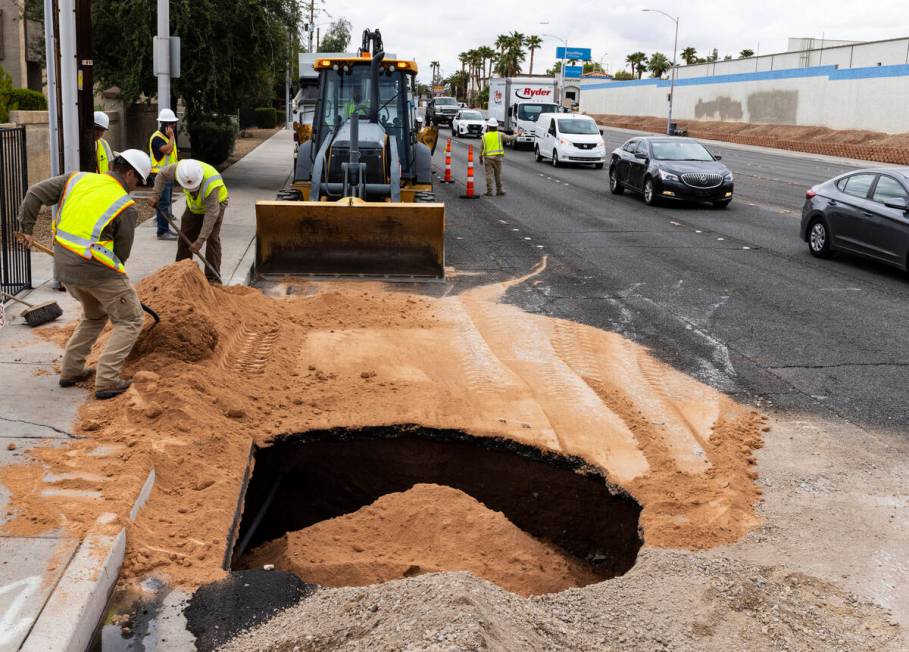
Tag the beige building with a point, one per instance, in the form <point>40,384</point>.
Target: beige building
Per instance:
<point>21,45</point>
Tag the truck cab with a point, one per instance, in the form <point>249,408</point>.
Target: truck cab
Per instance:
<point>523,120</point>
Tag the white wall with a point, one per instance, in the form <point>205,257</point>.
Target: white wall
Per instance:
<point>874,98</point>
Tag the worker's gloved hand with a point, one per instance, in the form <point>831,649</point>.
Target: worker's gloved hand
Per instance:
<point>26,239</point>
<point>196,247</point>
<point>153,202</point>
<point>169,131</point>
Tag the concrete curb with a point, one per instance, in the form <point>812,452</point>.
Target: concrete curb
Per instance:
<point>70,616</point>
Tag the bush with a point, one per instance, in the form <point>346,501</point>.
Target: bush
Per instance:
<point>25,99</point>
<point>266,117</point>
<point>247,118</point>
<point>282,118</point>
<point>212,139</point>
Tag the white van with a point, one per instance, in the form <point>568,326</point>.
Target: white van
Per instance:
<point>569,138</point>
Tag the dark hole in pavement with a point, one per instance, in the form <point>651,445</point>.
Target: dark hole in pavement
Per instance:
<point>305,478</point>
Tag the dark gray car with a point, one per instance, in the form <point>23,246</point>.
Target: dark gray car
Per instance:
<point>865,212</point>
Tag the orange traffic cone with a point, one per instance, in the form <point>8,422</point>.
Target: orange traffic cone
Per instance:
<point>448,178</point>
<point>470,194</point>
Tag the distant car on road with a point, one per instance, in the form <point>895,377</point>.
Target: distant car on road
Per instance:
<point>661,167</point>
<point>468,122</point>
<point>865,212</point>
<point>566,138</point>
<point>441,110</point>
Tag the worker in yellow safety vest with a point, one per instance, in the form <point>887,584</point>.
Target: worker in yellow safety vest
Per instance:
<point>103,153</point>
<point>492,154</point>
<point>162,149</point>
<point>93,236</point>
<point>206,201</point>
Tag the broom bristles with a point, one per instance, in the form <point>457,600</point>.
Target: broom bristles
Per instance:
<point>46,312</point>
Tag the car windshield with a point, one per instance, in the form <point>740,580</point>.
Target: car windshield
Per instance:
<point>531,112</point>
<point>680,151</point>
<point>446,101</point>
<point>578,127</point>
<point>471,115</point>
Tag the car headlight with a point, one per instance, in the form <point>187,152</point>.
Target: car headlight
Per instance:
<point>562,141</point>
<point>728,177</point>
<point>668,176</point>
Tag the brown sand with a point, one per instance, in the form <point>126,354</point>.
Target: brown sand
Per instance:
<point>228,367</point>
<point>427,529</point>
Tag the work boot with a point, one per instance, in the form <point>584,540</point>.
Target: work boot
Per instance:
<point>115,390</point>
<point>57,285</point>
<point>487,194</point>
<point>501,193</point>
<point>169,235</point>
<point>87,373</point>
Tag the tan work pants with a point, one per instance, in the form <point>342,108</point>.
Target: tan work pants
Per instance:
<point>191,226</point>
<point>116,300</point>
<point>493,167</point>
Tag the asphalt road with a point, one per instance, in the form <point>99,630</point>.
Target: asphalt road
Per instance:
<point>730,296</point>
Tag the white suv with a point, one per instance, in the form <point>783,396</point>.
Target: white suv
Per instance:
<point>567,138</point>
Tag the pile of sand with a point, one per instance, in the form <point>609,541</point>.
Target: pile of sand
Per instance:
<point>229,368</point>
<point>427,529</point>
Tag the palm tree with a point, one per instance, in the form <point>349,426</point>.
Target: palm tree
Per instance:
<point>658,64</point>
<point>533,42</point>
<point>747,53</point>
<point>638,61</point>
<point>511,54</point>
<point>488,55</point>
<point>689,56</point>
<point>435,71</point>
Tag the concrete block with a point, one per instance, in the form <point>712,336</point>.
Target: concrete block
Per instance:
<point>78,602</point>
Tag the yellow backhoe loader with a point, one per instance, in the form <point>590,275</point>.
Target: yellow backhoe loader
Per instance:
<point>361,203</point>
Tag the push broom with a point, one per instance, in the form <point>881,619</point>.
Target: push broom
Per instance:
<point>35,315</point>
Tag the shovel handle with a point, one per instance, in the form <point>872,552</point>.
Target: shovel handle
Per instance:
<point>10,296</point>
<point>173,222</point>
<point>40,247</point>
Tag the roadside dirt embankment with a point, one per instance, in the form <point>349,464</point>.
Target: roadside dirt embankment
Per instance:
<point>851,143</point>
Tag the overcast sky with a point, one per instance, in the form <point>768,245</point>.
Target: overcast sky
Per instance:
<point>431,30</point>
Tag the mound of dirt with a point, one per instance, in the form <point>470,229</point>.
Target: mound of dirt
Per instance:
<point>426,529</point>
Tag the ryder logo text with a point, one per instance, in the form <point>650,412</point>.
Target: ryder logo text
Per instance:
<point>530,93</point>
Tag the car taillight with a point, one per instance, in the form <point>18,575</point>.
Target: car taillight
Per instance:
<point>810,194</point>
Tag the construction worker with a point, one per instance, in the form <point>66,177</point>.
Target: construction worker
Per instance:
<point>103,153</point>
<point>491,156</point>
<point>162,149</point>
<point>206,201</point>
<point>93,237</point>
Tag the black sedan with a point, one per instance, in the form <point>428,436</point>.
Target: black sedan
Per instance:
<point>670,168</point>
<point>865,212</point>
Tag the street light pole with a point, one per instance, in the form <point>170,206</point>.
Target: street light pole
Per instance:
<point>675,48</point>
<point>561,66</point>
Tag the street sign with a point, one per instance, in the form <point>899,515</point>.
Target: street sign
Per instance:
<point>573,72</point>
<point>573,54</point>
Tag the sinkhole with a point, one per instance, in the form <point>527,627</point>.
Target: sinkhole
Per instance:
<point>347,507</point>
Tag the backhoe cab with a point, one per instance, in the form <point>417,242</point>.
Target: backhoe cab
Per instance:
<point>361,203</point>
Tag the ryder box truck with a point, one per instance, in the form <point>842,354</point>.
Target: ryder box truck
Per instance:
<point>517,102</point>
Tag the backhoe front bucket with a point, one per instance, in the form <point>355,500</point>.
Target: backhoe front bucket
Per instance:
<point>350,237</point>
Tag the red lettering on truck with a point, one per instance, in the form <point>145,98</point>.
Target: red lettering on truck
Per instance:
<point>530,93</point>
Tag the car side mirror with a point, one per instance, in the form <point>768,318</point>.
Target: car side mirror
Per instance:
<point>899,203</point>
<point>717,157</point>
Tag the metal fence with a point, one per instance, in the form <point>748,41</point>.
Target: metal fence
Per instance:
<point>15,261</point>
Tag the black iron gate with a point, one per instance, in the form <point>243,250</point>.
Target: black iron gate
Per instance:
<point>15,261</point>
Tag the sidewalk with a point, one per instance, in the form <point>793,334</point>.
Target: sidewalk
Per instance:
<point>37,411</point>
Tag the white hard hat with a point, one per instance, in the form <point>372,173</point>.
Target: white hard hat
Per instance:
<point>189,174</point>
<point>101,120</point>
<point>492,122</point>
<point>167,115</point>
<point>139,161</point>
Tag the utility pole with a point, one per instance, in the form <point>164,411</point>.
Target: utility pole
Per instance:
<point>68,84</point>
<point>162,45</point>
<point>53,90</point>
<point>86,86</point>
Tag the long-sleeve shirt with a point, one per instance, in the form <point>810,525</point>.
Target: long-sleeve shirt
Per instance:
<point>166,175</point>
<point>70,267</point>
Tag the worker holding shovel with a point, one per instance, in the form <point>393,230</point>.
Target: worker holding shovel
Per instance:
<point>95,225</point>
<point>206,201</point>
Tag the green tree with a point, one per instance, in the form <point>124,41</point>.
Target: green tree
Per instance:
<point>689,56</point>
<point>533,42</point>
<point>747,53</point>
<point>714,56</point>
<point>511,54</point>
<point>658,64</point>
<point>638,62</point>
<point>487,55</point>
<point>456,83</point>
<point>234,52</point>
<point>337,37</point>
<point>622,75</point>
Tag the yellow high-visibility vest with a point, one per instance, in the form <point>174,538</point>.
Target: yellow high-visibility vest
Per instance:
<point>166,159</point>
<point>492,144</point>
<point>90,202</point>
<point>211,181</point>
<point>104,154</point>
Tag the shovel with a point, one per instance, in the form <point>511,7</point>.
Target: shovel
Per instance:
<point>36,315</point>
<point>50,252</point>
<point>173,222</point>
